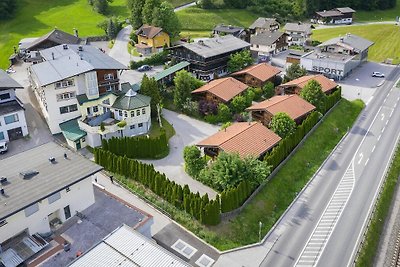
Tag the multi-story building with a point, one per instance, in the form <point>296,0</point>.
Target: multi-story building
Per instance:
<point>12,112</point>
<point>151,39</point>
<point>40,190</point>
<point>298,33</point>
<point>266,44</point>
<point>209,57</point>
<point>264,25</point>
<point>337,57</point>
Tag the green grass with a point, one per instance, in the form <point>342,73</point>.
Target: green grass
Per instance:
<point>155,129</point>
<point>276,196</point>
<point>132,50</point>
<point>386,38</point>
<point>37,17</point>
<point>195,19</point>
<point>370,247</point>
<point>378,15</point>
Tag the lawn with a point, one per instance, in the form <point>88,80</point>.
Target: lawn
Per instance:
<point>386,38</point>
<point>199,22</point>
<point>276,196</point>
<point>155,129</point>
<point>378,15</point>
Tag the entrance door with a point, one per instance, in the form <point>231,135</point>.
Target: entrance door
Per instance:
<point>78,144</point>
<point>15,133</point>
<point>67,212</point>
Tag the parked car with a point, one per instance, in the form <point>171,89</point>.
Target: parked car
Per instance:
<point>144,68</point>
<point>378,74</point>
<point>3,147</point>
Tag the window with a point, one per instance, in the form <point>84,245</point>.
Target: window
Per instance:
<point>67,109</point>
<point>95,109</point>
<point>126,114</point>
<point>137,112</point>
<point>132,127</point>
<point>106,101</point>
<point>109,76</point>
<point>1,135</point>
<point>11,118</point>
<point>83,139</point>
<point>5,96</point>
<point>65,96</point>
<point>140,125</point>
<point>65,83</point>
<point>132,113</point>
<point>31,209</point>
<point>143,111</point>
<point>67,189</point>
<point>54,197</point>
<point>120,112</point>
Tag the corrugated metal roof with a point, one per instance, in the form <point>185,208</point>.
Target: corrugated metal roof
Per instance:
<point>171,70</point>
<point>133,249</point>
<point>352,40</point>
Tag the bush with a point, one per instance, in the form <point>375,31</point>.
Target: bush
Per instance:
<point>224,113</point>
<point>156,59</point>
<point>121,124</point>
<point>194,163</point>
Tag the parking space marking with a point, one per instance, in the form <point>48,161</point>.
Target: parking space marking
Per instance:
<point>324,228</point>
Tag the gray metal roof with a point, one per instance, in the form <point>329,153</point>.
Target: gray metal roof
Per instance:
<point>345,10</point>
<point>266,38</point>
<point>263,23</point>
<point>329,13</point>
<point>56,36</point>
<point>298,27</point>
<point>10,107</point>
<point>70,62</point>
<point>210,47</point>
<point>128,248</point>
<point>6,82</point>
<point>354,41</point>
<point>228,28</point>
<point>21,193</point>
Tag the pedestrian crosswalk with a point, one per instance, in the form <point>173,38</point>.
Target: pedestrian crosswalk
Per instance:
<point>318,239</point>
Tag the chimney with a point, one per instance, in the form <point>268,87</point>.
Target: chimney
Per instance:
<point>76,32</point>
<point>80,48</point>
<point>65,156</point>
<point>52,55</point>
<point>2,191</point>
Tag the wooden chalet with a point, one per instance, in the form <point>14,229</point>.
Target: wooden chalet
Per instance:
<point>294,87</point>
<point>257,75</point>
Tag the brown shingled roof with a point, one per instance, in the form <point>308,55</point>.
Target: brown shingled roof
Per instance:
<point>225,88</point>
<point>262,71</point>
<point>326,84</point>
<point>293,105</point>
<point>247,139</point>
<point>148,31</point>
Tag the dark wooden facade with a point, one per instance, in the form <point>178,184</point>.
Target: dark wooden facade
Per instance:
<point>105,82</point>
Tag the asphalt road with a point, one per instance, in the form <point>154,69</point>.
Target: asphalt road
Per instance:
<point>366,150</point>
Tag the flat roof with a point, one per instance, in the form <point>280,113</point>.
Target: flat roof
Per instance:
<point>52,177</point>
<point>327,56</point>
<point>170,70</point>
<point>125,247</point>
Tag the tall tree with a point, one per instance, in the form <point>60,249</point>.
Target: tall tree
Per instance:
<point>240,60</point>
<point>150,88</point>
<point>185,83</point>
<point>165,17</point>
<point>294,71</point>
<point>148,10</point>
<point>312,92</point>
<point>282,124</point>
<point>268,90</point>
<point>194,163</point>
<point>7,9</point>
<point>135,7</point>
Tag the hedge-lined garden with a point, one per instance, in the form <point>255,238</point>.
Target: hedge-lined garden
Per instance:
<point>140,147</point>
<point>200,207</point>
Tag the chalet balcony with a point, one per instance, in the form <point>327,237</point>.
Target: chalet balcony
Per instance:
<point>91,124</point>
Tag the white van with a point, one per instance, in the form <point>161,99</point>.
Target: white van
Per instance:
<point>3,147</point>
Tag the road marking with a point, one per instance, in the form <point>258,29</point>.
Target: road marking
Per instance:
<point>361,156</point>
<point>373,148</point>
<point>391,113</point>
<point>382,116</point>
<point>383,129</point>
<point>379,137</point>
<point>317,241</point>
<point>366,162</point>
<point>386,123</point>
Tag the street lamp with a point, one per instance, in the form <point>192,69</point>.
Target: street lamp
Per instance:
<point>259,231</point>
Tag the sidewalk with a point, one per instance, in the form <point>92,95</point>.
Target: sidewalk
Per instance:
<point>159,219</point>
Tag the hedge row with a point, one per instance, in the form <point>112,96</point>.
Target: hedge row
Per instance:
<point>138,147</point>
<point>332,99</point>
<point>234,197</point>
<point>201,208</point>
<point>156,59</point>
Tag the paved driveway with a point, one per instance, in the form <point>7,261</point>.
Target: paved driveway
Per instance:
<point>120,49</point>
<point>188,132</point>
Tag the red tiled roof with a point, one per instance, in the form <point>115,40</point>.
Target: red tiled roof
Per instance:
<point>262,71</point>
<point>293,105</point>
<point>326,84</point>
<point>225,88</point>
<point>247,139</point>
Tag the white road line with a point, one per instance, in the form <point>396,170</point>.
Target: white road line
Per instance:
<point>379,137</point>
<point>391,113</point>
<point>373,148</point>
<point>366,162</point>
<point>382,116</point>
<point>383,129</point>
<point>387,122</point>
<point>361,156</point>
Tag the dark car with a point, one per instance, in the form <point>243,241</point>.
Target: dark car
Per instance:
<point>144,68</point>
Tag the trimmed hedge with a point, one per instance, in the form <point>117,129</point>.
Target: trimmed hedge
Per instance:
<point>234,197</point>
<point>138,147</point>
<point>200,207</point>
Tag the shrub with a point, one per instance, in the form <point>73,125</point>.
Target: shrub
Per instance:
<point>156,59</point>
<point>121,124</point>
<point>194,163</point>
<point>224,113</point>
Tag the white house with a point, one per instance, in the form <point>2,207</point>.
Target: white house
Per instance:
<point>265,44</point>
<point>68,71</point>
<point>12,112</point>
<point>298,33</point>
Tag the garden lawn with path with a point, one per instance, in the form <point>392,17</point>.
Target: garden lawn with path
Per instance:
<point>277,195</point>
<point>385,36</point>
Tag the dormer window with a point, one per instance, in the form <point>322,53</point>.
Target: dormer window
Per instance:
<point>109,76</point>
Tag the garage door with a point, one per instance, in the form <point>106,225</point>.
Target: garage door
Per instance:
<point>15,133</point>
